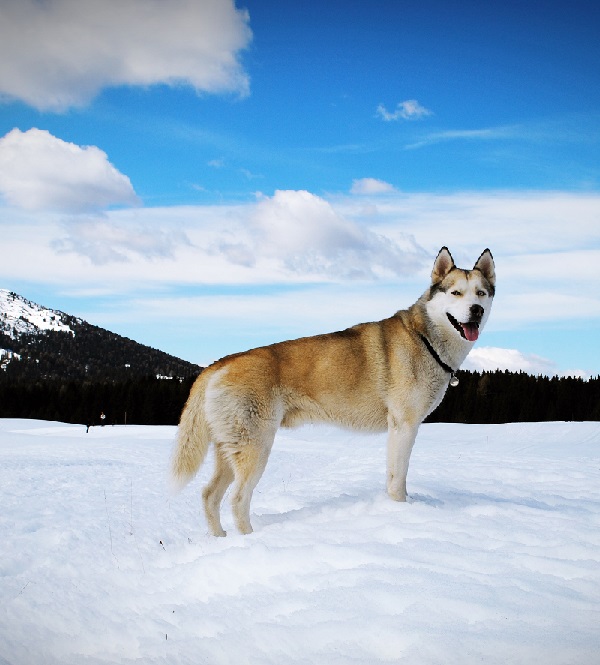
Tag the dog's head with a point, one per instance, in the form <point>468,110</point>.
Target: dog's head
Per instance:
<point>461,299</point>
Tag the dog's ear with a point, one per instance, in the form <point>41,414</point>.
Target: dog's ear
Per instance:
<point>442,266</point>
<point>485,264</point>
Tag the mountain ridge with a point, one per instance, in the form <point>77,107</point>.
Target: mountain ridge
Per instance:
<point>37,342</point>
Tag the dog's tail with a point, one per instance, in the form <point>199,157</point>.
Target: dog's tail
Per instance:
<point>193,436</point>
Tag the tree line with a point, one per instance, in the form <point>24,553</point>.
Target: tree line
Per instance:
<point>488,397</point>
<point>141,401</point>
<point>502,396</point>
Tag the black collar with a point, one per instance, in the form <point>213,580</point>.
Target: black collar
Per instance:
<point>433,352</point>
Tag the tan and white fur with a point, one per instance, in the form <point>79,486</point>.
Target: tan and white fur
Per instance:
<point>386,375</point>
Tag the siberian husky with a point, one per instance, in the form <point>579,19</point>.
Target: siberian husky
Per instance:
<point>387,375</point>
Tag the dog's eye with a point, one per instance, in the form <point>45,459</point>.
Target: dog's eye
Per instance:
<point>481,293</point>
<point>456,293</point>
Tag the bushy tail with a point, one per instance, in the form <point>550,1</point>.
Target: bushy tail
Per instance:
<point>193,436</point>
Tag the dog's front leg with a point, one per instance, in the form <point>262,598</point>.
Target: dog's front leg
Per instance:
<point>401,437</point>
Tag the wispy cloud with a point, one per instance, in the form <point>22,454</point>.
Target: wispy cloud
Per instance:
<point>216,163</point>
<point>249,175</point>
<point>409,109</point>
<point>346,149</point>
<point>371,186</point>
<point>483,134</point>
<point>104,241</point>
<point>81,47</point>
<point>566,129</point>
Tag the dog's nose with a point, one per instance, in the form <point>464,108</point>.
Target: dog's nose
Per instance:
<point>477,311</point>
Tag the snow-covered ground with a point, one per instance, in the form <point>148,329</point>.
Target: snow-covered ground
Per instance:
<point>495,558</point>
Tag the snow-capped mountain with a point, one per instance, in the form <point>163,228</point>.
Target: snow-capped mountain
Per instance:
<point>19,315</point>
<point>38,342</point>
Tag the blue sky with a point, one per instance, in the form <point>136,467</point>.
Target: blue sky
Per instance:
<point>205,177</point>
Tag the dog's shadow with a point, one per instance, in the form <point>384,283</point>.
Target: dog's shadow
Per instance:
<point>344,506</point>
<point>349,506</point>
<point>312,511</point>
<point>465,499</point>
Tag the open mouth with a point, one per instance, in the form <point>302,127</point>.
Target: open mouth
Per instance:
<point>468,331</point>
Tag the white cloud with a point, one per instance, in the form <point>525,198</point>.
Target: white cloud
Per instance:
<point>546,246</point>
<point>306,236</point>
<point>371,186</point>
<point>61,53</point>
<point>407,110</point>
<point>282,266</point>
<point>492,358</point>
<point>41,172</point>
<point>289,238</point>
<point>578,374</point>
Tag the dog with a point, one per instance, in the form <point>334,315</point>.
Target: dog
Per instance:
<point>385,375</point>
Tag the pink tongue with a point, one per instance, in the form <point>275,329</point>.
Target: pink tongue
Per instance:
<point>471,331</point>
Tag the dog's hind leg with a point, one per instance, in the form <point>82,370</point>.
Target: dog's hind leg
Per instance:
<point>249,461</point>
<point>215,491</point>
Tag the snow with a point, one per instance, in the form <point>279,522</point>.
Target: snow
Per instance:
<point>19,315</point>
<point>494,559</point>
<point>6,356</point>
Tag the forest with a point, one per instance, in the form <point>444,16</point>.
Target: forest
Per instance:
<point>141,401</point>
<point>91,353</point>
<point>502,396</point>
<point>488,397</point>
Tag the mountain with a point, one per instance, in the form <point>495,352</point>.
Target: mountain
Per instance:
<point>41,343</point>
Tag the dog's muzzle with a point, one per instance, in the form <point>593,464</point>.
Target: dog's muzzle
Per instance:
<point>470,329</point>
